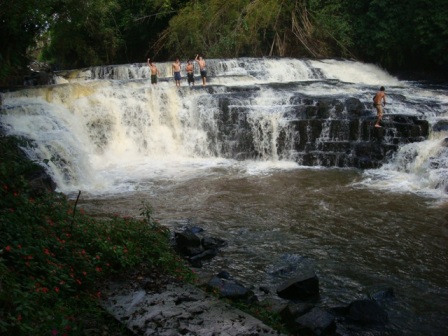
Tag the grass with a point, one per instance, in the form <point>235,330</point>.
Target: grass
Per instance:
<point>54,257</point>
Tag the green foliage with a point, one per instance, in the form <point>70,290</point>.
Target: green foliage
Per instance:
<point>83,33</point>
<point>401,35</point>
<point>20,22</point>
<point>408,35</point>
<point>260,27</point>
<point>52,262</point>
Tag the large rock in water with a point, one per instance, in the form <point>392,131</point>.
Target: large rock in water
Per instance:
<point>319,132</point>
<point>301,287</point>
<point>316,322</point>
<point>196,248</point>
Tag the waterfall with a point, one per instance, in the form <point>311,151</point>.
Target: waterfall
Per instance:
<point>102,120</point>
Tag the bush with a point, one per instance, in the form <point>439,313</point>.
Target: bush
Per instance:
<point>54,257</point>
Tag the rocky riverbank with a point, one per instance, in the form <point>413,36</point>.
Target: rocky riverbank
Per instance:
<point>152,304</point>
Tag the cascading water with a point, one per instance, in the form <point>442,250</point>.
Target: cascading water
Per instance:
<point>232,158</point>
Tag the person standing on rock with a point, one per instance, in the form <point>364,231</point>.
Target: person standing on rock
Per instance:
<point>176,71</point>
<point>154,71</point>
<point>189,68</point>
<point>380,96</point>
<point>202,68</point>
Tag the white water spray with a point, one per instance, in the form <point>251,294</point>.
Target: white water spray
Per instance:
<point>106,129</point>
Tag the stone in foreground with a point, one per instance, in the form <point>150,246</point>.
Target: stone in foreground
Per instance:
<point>180,309</point>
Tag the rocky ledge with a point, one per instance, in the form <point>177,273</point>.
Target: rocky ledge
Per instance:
<point>150,303</point>
<point>177,309</point>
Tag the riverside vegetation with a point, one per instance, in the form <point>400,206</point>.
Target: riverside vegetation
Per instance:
<point>402,36</point>
<point>54,258</point>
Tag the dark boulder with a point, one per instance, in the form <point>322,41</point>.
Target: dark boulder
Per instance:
<point>187,239</point>
<point>301,287</point>
<point>226,287</point>
<point>316,322</point>
<point>292,311</point>
<point>195,247</point>
<point>440,126</point>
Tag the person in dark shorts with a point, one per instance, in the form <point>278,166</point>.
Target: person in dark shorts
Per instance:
<point>176,71</point>
<point>202,68</point>
<point>189,68</point>
<point>154,71</point>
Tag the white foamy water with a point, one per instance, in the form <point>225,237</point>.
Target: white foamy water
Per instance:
<point>106,122</point>
<point>419,168</point>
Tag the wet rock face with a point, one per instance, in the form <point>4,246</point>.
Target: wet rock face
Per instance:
<point>195,247</point>
<point>316,132</point>
<point>303,287</point>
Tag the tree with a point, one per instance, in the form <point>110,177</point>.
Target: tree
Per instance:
<point>314,28</point>
<point>83,33</point>
<point>400,35</point>
<point>20,22</point>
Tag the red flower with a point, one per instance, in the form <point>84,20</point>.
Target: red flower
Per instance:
<point>46,251</point>
<point>56,289</point>
<point>8,248</point>
<point>19,317</point>
<point>78,281</point>
<point>98,269</point>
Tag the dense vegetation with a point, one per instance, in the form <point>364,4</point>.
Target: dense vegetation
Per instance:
<point>407,35</point>
<point>54,258</point>
<point>400,35</point>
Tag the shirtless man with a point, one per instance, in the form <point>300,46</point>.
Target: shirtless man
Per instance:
<point>189,68</point>
<point>203,69</point>
<point>176,72</point>
<point>154,71</point>
<point>380,96</point>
